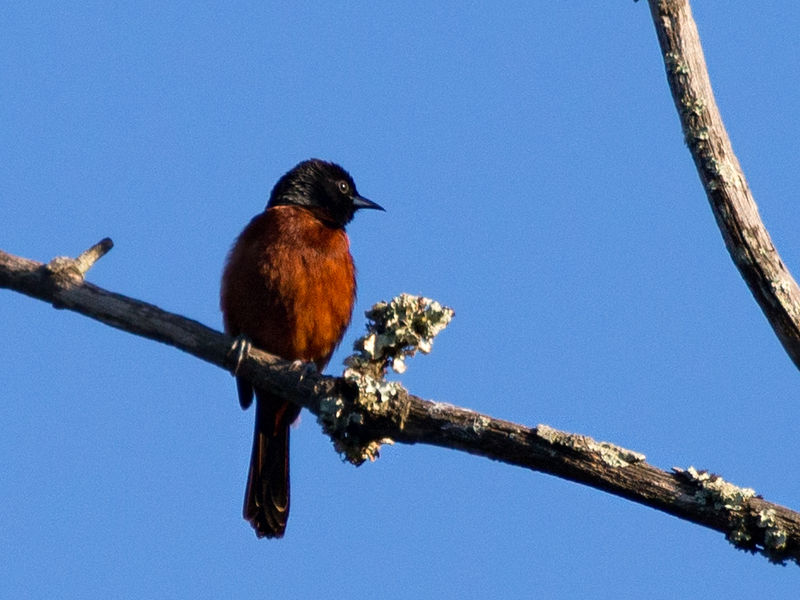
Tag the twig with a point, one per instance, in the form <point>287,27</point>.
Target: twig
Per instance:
<point>745,236</point>
<point>379,411</point>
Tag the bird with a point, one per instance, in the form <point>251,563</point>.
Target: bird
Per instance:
<point>289,287</point>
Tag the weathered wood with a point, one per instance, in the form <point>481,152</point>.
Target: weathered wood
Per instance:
<point>735,210</point>
<point>360,421</point>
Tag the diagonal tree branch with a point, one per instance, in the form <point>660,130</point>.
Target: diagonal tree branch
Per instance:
<point>736,213</point>
<point>360,419</point>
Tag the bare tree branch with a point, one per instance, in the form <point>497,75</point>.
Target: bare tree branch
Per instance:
<point>745,236</point>
<point>360,419</point>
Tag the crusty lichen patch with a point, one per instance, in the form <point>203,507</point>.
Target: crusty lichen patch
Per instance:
<point>775,537</point>
<point>396,330</point>
<point>610,454</point>
<point>337,418</point>
<point>713,490</point>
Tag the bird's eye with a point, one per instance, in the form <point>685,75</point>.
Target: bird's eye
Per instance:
<point>344,187</point>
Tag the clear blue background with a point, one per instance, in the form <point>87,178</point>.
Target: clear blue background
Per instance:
<point>535,179</point>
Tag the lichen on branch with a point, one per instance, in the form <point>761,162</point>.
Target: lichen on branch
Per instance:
<point>396,330</point>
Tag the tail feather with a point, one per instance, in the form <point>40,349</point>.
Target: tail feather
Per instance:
<point>266,501</point>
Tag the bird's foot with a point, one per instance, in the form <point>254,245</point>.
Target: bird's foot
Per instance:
<point>239,350</point>
<point>305,368</point>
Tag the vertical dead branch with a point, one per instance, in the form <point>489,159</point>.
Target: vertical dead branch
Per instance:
<point>745,236</point>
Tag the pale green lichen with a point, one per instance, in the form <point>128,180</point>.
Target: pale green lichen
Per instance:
<point>396,330</point>
<point>480,424</point>
<point>675,64</point>
<point>338,418</point>
<point>610,454</point>
<point>713,490</point>
<point>373,394</point>
<point>693,106</point>
<point>775,537</point>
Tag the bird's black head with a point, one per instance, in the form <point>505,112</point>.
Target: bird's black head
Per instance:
<point>324,188</point>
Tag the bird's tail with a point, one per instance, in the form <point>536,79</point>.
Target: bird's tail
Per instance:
<point>266,499</point>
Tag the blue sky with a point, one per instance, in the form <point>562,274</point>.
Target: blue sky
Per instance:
<point>535,179</point>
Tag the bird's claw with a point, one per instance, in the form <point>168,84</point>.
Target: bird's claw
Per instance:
<point>305,368</point>
<point>241,347</point>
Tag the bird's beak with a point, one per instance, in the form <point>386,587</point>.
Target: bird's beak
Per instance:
<point>361,202</point>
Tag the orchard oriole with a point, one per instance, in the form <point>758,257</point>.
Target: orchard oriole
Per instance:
<point>289,287</point>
